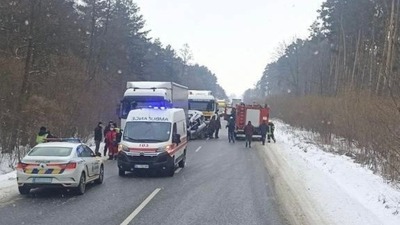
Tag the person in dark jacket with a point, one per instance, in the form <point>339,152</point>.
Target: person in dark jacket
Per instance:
<point>217,126</point>
<point>119,132</point>
<point>212,125</point>
<point>231,130</point>
<point>98,136</point>
<point>271,129</point>
<point>249,131</point>
<point>233,114</point>
<point>263,131</point>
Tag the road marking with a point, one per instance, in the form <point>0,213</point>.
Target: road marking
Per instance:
<point>198,149</point>
<point>140,207</point>
<point>178,170</point>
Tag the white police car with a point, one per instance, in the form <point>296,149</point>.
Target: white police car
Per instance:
<point>59,164</point>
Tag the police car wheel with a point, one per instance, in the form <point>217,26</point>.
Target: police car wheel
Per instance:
<point>82,185</point>
<point>24,190</point>
<point>101,176</point>
<point>121,172</point>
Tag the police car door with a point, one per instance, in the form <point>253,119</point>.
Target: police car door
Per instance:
<point>87,159</point>
<point>93,162</point>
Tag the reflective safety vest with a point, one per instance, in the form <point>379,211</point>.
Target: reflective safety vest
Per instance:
<point>40,138</point>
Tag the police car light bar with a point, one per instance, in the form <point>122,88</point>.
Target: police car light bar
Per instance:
<point>72,140</point>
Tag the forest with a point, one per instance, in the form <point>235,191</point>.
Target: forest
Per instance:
<point>65,65</point>
<point>343,81</point>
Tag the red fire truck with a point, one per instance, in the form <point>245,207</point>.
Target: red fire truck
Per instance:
<point>254,113</point>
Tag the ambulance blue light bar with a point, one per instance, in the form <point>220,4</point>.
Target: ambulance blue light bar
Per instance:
<point>157,105</point>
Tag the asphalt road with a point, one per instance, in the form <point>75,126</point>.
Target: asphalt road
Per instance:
<point>222,183</point>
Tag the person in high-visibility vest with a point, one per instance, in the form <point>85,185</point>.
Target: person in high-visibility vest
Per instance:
<point>42,135</point>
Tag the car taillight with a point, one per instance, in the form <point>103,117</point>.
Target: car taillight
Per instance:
<point>70,165</point>
<point>21,165</point>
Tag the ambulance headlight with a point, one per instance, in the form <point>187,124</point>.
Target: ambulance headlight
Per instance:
<point>164,149</point>
<point>123,148</point>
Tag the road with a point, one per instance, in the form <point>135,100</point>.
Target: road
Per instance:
<point>222,183</point>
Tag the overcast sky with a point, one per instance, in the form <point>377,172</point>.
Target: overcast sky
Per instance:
<point>234,39</point>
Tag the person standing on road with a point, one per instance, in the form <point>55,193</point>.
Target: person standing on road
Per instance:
<point>263,131</point>
<point>98,136</point>
<point>271,129</point>
<point>118,131</point>
<point>217,126</point>
<point>106,130</point>
<point>249,131</point>
<point>211,127</point>
<point>231,130</point>
<point>111,142</point>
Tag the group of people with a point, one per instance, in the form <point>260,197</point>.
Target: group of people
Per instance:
<point>112,136</point>
<point>266,131</point>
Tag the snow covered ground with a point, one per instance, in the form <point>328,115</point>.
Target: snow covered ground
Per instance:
<point>329,189</point>
<point>315,187</point>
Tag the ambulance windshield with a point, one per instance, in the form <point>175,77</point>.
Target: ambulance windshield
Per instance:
<point>152,132</point>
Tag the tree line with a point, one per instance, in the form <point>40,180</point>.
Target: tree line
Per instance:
<point>65,65</point>
<point>344,80</point>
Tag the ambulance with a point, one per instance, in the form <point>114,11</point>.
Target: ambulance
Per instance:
<point>153,139</point>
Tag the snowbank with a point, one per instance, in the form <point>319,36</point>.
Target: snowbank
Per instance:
<point>328,188</point>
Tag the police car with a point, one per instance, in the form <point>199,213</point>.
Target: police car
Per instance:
<point>59,164</point>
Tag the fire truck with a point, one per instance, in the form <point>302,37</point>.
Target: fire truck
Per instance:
<point>255,113</point>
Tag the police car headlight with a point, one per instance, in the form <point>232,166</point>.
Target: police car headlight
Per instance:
<point>123,148</point>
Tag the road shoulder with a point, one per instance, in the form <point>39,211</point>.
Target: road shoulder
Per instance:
<point>294,202</point>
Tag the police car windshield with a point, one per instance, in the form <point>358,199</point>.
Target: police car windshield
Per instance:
<point>50,151</point>
<point>147,131</point>
<point>201,105</point>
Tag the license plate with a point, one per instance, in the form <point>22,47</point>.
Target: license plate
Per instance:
<point>42,180</point>
<point>141,166</point>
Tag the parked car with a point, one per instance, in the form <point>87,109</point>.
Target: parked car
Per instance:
<point>59,164</point>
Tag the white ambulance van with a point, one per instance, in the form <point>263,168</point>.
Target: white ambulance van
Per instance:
<point>153,139</point>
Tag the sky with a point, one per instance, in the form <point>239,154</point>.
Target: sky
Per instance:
<point>234,39</point>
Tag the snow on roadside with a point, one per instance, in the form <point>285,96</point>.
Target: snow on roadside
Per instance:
<point>8,186</point>
<point>343,191</point>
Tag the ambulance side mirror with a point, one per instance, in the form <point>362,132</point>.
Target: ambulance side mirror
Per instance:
<point>176,139</point>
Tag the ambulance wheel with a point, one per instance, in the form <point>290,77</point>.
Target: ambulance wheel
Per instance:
<point>182,163</point>
<point>171,168</point>
<point>24,190</point>
<point>121,172</point>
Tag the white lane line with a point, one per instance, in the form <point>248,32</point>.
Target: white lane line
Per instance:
<point>198,149</point>
<point>178,170</point>
<point>140,207</point>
